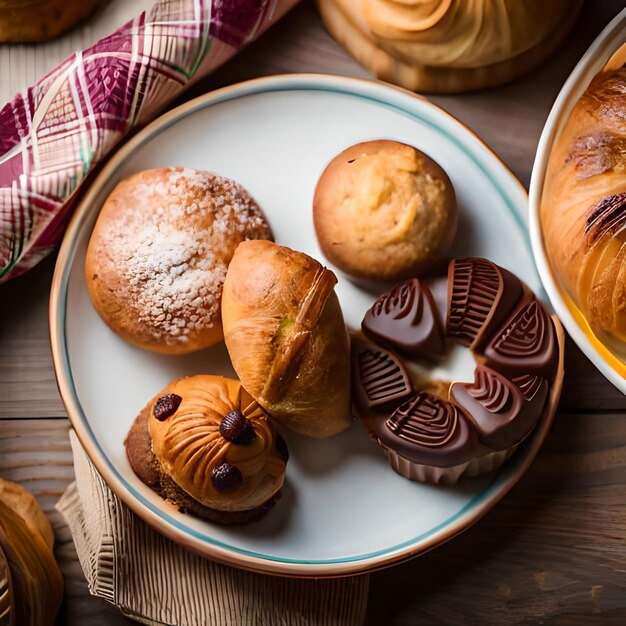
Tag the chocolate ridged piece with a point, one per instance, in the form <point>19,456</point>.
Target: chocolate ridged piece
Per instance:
<point>380,382</point>
<point>525,344</point>
<point>481,295</point>
<point>439,290</point>
<point>426,429</point>
<point>503,412</point>
<point>406,319</point>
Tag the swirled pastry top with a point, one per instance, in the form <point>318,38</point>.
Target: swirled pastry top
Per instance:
<point>461,33</point>
<point>190,447</point>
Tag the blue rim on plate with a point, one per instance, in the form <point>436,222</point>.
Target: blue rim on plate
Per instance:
<point>401,101</point>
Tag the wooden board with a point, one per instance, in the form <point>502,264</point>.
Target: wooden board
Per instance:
<point>554,551</point>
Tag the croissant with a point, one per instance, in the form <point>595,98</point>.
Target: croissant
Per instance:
<point>449,45</point>
<point>583,206</point>
<point>31,583</point>
<point>286,337</point>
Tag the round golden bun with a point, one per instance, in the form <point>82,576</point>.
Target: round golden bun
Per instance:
<point>158,254</point>
<point>384,211</point>
<point>286,337</point>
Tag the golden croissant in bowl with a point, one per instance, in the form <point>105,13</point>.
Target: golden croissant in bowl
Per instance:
<point>583,207</point>
<point>449,45</point>
<point>286,337</point>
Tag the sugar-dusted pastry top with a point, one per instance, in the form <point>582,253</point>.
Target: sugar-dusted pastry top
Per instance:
<point>513,340</point>
<point>216,443</point>
<point>158,255</point>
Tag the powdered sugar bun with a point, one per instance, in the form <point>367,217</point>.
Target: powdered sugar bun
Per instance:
<point>158,255</point>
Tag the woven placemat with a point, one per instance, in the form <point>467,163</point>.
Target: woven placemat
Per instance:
<point>155,581</point>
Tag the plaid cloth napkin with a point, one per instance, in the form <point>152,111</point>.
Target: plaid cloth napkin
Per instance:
<point>55,132</point>
<point>155,581</point>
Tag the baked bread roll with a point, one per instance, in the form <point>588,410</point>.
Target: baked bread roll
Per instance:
<point>445,46</point>
<point>286,337</point>
<point>158,255</point>
<point>384,211</point>
<point>205,445</point>
<point>583,207</point>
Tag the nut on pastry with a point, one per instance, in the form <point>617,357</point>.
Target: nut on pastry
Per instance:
<point>205,444</point>
<point>286,337</point>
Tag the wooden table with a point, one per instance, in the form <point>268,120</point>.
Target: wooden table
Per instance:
<point>553,551</point>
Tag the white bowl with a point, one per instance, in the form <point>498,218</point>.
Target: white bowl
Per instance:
<point>609,358</point>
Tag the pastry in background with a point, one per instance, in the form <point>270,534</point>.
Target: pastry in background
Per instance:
<point>446,46</point>
<point>286,337</point>
<point>31,583</point>
<point>39,20</point>
<point>438,431</point>
<point>158,254</point>
<point>384,211</point>
<point>583,206</point>
<point>206,446</point>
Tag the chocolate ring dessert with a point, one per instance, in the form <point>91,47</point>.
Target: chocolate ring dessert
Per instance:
<point>469,427</point>
<point>204,444</point>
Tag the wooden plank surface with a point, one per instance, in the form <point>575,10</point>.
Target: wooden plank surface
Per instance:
<point>554,551</point>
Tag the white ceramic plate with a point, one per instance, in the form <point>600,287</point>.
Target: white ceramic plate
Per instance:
<point>343,510</point>
<point>609,358</point>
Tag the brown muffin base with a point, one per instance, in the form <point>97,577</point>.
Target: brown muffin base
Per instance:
<point>148,469</point>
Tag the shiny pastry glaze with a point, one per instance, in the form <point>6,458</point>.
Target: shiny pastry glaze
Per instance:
<point>189,446</point>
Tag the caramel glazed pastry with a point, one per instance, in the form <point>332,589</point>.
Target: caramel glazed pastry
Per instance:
<point>206,446</point>
<point>470,428</point>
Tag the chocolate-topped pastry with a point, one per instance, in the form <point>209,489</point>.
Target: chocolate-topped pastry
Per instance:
<point>525,344</point>
<point>379,380</point>
<point>456,428</point>
<point>428,430</point>
<point>425,438</point>
<point>205,445</point>
<point>480,296</point>
<point>438,287</point>
<point>406,318</point>
<point>503,411</point>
